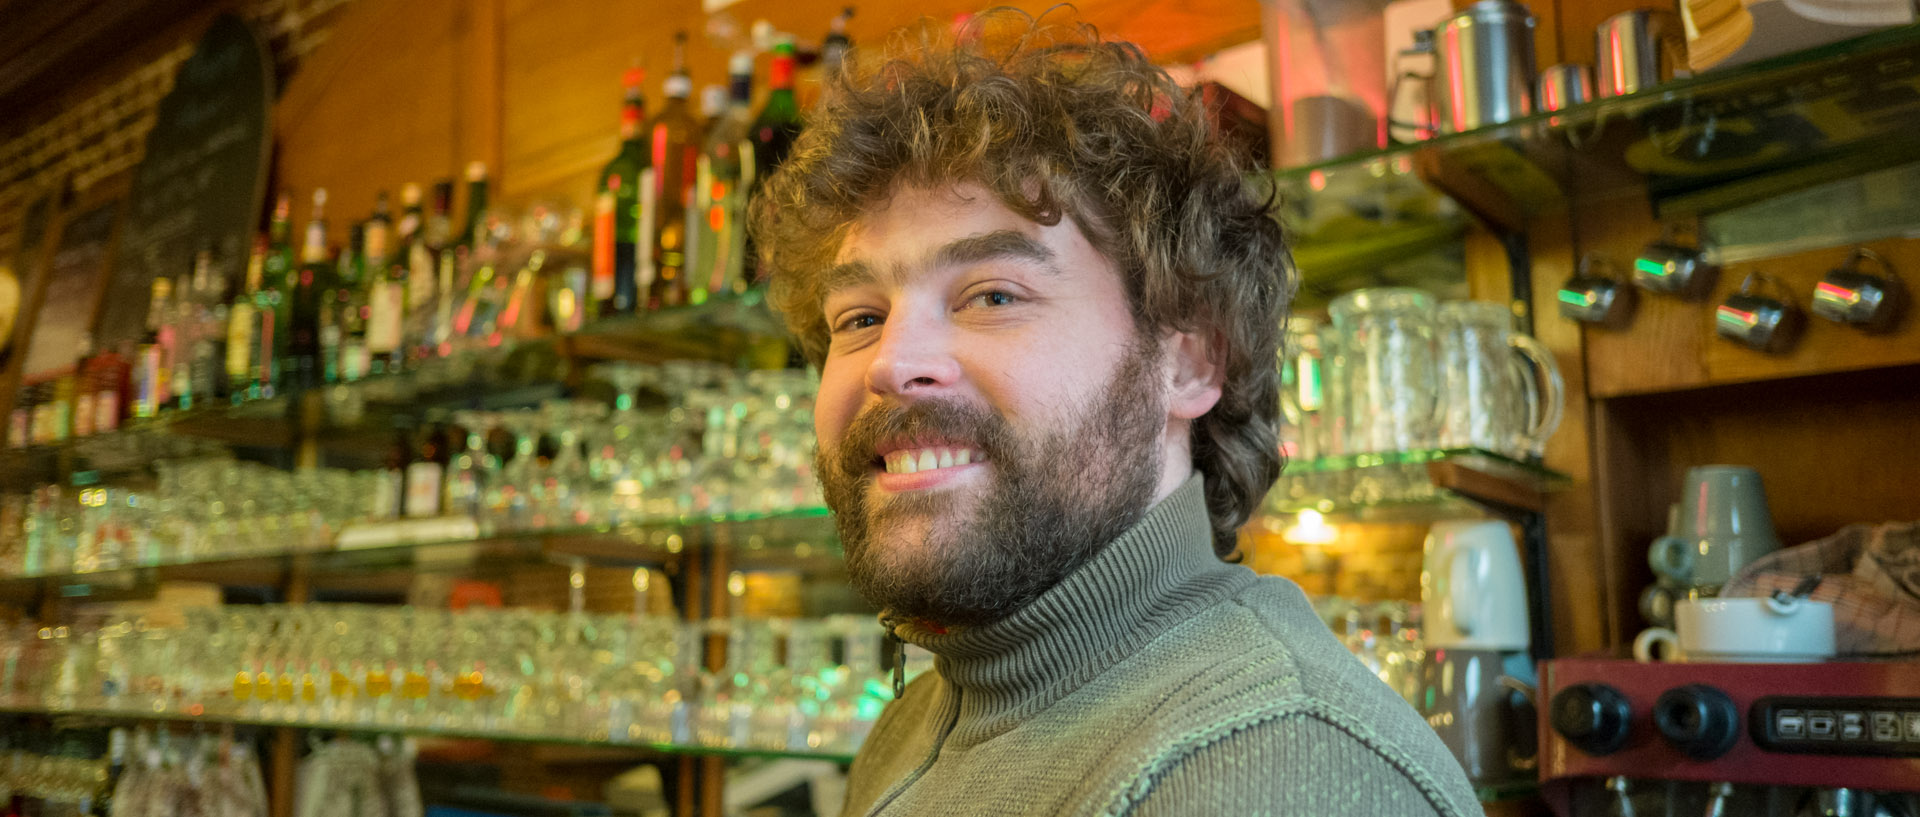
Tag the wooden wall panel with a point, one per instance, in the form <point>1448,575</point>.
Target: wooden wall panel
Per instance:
<point>376,107</point>
<point>1671,344</point>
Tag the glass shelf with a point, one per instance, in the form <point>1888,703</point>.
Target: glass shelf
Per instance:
<point>354,416</point>
<point>729,329</point>
<point>795,541</point>
<point>1701,143</point>
<point>1410,484</point>
<point>424,731</point>
<point>1502,792</point>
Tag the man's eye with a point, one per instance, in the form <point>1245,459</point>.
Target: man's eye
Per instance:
<point>860,321</point>
<point>994,298</point>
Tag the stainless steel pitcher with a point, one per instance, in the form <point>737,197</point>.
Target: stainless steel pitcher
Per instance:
<point>1485,66</point>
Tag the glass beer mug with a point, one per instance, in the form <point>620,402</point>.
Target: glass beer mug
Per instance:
<point>1384,378</point>
<point>1500,390</point>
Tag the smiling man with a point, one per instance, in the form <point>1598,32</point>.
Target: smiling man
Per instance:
<point>1045,303</point>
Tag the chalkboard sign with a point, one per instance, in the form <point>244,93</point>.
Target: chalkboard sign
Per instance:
<point>73,290</point>
<point>201,181</point>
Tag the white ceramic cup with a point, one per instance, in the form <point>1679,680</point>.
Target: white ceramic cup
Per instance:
<point>1471,587</point>
<point>1743,630</point>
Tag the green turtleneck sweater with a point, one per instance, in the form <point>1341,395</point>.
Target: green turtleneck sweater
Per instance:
<point>1156,680</point>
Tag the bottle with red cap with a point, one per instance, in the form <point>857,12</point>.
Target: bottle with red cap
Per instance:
<point>616,221</point>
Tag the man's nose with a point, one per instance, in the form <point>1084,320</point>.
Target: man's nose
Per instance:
<point>915,356</point>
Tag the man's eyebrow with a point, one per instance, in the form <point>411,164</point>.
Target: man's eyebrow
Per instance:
<point>993,246</point>
<point>972,249</point>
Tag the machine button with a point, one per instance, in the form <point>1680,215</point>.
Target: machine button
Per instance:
<point>1886,726</point>
<point>1853,726</point>
<point>1697,719</point>
<point>1591,716</point>
<point>1820,725</point>
<point>1790,724</point>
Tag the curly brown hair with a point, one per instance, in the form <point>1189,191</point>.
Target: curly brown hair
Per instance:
<point>1057,122</point>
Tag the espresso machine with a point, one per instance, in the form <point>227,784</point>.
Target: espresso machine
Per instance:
<point>1621,738</point>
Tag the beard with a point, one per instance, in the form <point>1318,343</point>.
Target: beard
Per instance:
<point>1055,498</point>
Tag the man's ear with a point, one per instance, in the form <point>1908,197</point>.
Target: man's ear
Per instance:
<point>1194,375</point>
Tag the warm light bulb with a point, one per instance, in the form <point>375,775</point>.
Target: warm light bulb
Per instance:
<point>1310,528</point>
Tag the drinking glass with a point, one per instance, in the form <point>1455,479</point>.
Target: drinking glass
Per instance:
<point>1384,384</point>
<point>1501,390</point>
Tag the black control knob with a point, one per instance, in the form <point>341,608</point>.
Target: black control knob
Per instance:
<point>1591,716</point>
<point>1698,720</point>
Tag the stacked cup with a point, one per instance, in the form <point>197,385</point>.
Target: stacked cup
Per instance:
<point>1478,683</point>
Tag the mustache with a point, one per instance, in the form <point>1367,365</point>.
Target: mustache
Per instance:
<point>958,422</point>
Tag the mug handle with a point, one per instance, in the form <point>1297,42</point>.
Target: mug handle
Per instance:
<point>1429,127</point>
<point>1529,736</point>
<point>1548,399</point>
<point>1463,564</point>
<point>1672,557</point>
<point>1644,644</point>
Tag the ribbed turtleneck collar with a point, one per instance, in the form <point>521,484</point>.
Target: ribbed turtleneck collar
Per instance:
<point>1156,574</point>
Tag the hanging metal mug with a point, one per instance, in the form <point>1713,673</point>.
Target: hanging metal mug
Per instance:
<point>1670,267</point>
<point>1757,321</point>
<point>1593,296</point>
<point>1868,302</point>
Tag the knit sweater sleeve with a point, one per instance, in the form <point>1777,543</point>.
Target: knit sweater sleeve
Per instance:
<point>1289,766</point>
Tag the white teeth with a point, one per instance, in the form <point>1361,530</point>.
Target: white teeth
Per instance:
<point>927,459</point>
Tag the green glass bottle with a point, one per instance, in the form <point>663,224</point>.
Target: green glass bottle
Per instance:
<point>616,219</point>
<point>675,139</point>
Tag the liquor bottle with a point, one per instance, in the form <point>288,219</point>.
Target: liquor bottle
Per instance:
<point>833,54</point>
<point>83,395</point>
<point>207,303</point>
<point>778,123</point>
<point>426,470</point>
<point>387,284</point>
<point>106,379</point>
<point>390,495</point>
<point>378,232</point>
<point>348,303</point>
<point>483,293</point>
<point>151,367</point>
<point>675,138</point>
<point>177,335</point>
<point>435,266</point>
<point>277,278</point>
<point>716,226</point>
<point>309,286</point>
<point>616,219</point>
<point>249,334</point>
<point>474,235</point>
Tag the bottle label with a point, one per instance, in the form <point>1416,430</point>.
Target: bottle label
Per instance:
<point>83,414</point>
<point>386,500</point>
<point>18,426</point>
<point>355,360</point>
<point>423,489</point>
<point>106,410</point>
<point>603,239</point>
<point>643,249</point>
<point>240,342</point>
<point>420,277</point>
<point>374,242</point>
<point>385,311</point>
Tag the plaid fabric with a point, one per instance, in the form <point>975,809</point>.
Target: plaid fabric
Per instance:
<point>1871,575</point>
